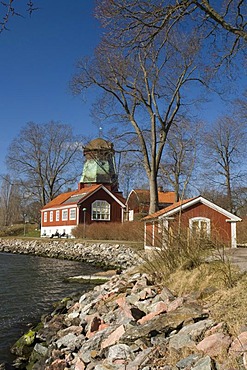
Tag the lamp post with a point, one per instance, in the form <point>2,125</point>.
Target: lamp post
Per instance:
<point>24,219</point>
<point>84,222</point>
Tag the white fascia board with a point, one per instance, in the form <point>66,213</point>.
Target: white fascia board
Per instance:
<point>113,196</point>
<point>132,191</point>
<point>182,207</point>
<point>56,208</point>
<point>107,191</point>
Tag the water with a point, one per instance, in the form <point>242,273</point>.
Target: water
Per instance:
<point>28,287</point>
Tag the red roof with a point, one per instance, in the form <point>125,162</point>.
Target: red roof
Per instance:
<point>65,197</point>
<point>168,209</point>
<point>163,196</point>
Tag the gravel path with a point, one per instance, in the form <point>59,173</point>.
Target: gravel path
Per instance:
<point>239,257</point>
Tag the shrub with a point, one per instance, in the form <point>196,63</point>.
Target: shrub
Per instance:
<point>183,252</point>
<point>127,231</point>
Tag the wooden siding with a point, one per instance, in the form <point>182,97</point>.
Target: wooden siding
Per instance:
<point>153,234</point>
<point>67,222</point>
<point>219,229</point>
<point>115,208</point>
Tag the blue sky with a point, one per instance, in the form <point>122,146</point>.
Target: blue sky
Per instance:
<point>38,57</point>
<point>37,60</point>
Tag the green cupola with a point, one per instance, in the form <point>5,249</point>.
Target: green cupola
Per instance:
<point>99,166</point>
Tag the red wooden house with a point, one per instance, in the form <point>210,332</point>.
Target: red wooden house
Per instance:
<point>138,202</point>
<point>197,216</point>
<point>97,198</point>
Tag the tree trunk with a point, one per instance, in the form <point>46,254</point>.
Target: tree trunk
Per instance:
<point>154,202</point>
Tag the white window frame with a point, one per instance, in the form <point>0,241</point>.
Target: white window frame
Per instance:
<point>57,215</point>
<point>72,214</point>
<point>65,215</point>
<point>45,216</point>
<point>200,220</point>
<point>101,211</point>
<point>51,216</point>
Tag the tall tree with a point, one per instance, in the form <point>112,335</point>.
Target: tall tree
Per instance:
<point>221,23</point>
<point>180,157</point>
<point>44,158</point>
<point>146,89</point>
<point>225,150</point>
<point>10,201</point>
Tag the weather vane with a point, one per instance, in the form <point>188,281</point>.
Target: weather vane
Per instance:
<point>100,131</point>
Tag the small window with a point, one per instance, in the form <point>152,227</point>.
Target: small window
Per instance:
<point>101,210</point>
<point>64,215</point>
<point>200,226</point>
<point>57,215</point>
<point>51,216</point>
<point>72,214</point>
<point>45,216</point>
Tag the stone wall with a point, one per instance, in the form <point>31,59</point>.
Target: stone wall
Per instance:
<point>100,254</point>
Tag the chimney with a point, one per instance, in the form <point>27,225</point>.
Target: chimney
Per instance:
<point>160,189</point>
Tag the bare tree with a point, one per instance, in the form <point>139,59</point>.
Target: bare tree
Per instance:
<point>10,201</point>
<point>10,9</point>
<point>146,90</point>
<point>225,151</point>
<point>44,158</point>
<point>240,108</point>
<point>221,23</point>
<point>180,157</point>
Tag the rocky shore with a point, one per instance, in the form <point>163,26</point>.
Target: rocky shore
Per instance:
<point>131,323</point>
<point>100,254</point>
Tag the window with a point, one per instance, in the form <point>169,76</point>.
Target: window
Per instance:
<point>45,216</point>
<point>51,216</point>
<point>200,226</point>
<point>64,215</point>
<point>72,214</point>
<point>101,210</point>
<point>57,215</point>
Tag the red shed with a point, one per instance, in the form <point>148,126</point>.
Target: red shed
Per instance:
<point>197,215</point>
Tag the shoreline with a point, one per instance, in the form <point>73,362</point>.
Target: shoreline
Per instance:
<point>105,255</point>
<point>131,322</point>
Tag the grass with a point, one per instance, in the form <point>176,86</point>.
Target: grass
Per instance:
<point>20,230</point>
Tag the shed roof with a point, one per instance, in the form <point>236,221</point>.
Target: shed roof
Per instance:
<point>77,196</point>
<point>184,204</point>
<point>163,196</point>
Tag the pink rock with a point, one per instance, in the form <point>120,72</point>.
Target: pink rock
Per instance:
<point>214,344</point>
<point>245,360</point>
<point>121,301</point>
<point>239,344</point>
<point>75,307</point>
<point>148,317</point>
<point>79,365</point>
<point>57,365</point>
<point>96,324</point>
<point>159,308</point>
<point>71,329</point>
<point>113,337</point>
<point>215,329</point>
<point>146,293</point>
<point>178,302</point>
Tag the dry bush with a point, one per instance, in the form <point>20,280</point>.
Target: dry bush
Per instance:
<point>176,252</point>
<point>229,305</point>
<point>127,231</point>
<point>181,254</point>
